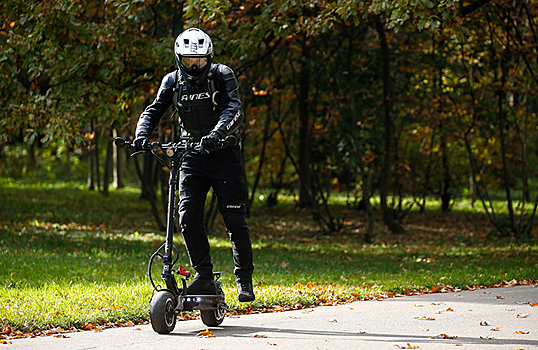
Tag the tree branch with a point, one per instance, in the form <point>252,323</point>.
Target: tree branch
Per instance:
<point>473,6</point>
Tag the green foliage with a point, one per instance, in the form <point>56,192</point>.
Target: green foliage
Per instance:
<point>69,257</point>
<point>457,70</point>
<point>66,62</point>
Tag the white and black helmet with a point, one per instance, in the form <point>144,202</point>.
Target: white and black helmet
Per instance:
<point>194,51</point>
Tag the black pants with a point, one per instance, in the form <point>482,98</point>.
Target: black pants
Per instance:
<point>222,170</point>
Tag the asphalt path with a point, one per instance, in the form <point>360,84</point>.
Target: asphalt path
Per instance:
<point>494,318</point>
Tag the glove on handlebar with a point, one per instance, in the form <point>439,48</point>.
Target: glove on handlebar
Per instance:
<point>141,143</point>
<point>210,142</point>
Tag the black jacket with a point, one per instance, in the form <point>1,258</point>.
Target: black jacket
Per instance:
<point>200,113</point>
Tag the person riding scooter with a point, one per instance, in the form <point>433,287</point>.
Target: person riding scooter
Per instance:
<point>206,98</point>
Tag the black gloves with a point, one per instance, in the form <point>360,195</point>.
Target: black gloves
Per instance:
<point>210,142</point>
<point>141,143</point>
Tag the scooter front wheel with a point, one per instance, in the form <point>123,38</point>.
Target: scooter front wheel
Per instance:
<point>162,312</point>
<point>214,317</point>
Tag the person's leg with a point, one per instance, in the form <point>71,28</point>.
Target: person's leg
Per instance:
<point>193,188</point>
<point>228,181</point>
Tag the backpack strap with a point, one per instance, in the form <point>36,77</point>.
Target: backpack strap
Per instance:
<point>178,89</point>
<point>211,85</point>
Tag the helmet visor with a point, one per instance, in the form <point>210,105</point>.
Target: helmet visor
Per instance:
<point>193,62</point>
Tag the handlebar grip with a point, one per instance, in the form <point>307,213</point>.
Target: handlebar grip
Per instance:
<point>121,143</point>
<point>229,141</point>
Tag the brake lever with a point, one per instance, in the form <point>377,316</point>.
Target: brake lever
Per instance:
<point>138,152</point>
<point>203,150</point>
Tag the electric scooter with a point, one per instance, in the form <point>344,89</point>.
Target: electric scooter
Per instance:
<point>167,302</point>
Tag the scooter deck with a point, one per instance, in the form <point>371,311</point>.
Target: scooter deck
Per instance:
<point>200,302</point>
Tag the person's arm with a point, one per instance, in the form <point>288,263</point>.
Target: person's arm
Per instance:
<point>149,119</point>
<point>231,115</point>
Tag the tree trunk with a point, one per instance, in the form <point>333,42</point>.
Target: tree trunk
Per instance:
<point>108,162</point>
<point>152,201</point>
<point>388,213</point>
<point>91,176</point>
<point>211,213</point>
<point>306,199</point>
<point>359,154</point>
<point>506,176</point>
<point>96,155</point>
<point>32,161</point>
<point>118,165</point>
<point>445,195</point>
<point>147,178</point>
<point>501,95</point>
<point>262,159</point>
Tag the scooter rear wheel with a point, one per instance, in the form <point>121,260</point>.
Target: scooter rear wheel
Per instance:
<point>214,317</point>
<point>162,312</point>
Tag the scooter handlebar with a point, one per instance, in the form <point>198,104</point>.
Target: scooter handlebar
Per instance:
<point>227,142</point>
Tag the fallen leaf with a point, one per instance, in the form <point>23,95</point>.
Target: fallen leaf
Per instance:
<point>205,334</point>
<point>259,336</point>
<point>2,341</point>
<point>137,329</point>
<point>60,336</point>
<point>509,309</point>
<point>333,320</point>
<point>499,297</point>
<point>522,315</point>
<point>418,305</point>
<point>481,337</point>
<point>494,329</point>
<point>521,332</point>
<point>534,304</point>
<point>484,323</point>
<point>444,336</point>
<point>409,346</point>
<point>426,318</point>
<point>450,309</point>
<point>273,344</point>
<point>458,344</point>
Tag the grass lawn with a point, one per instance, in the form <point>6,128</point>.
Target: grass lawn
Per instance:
<point>71,258</point>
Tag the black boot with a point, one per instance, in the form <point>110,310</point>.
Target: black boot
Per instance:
<point>245,291</point>
<point>201,286</point>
